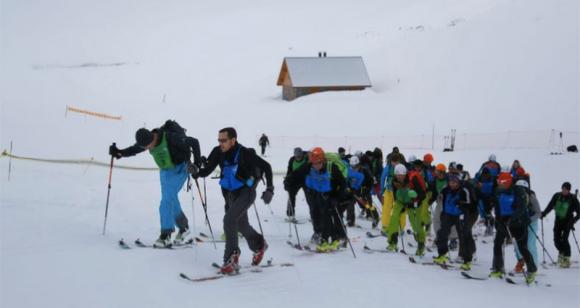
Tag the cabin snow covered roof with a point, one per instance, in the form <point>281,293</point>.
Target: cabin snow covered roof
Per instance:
<point>325,72</point>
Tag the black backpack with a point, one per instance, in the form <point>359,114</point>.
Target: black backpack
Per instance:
<point>173,127</point>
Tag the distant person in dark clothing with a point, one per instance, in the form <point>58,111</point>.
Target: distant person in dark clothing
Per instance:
<point>264,142</point>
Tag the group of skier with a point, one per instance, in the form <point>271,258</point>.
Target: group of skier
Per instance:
<point>445,199</point>
<point>439,198</point>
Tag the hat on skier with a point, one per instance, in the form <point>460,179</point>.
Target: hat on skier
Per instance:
<point>316,155</point>
<point>400,169</point>
<point>144,137</point>
<point>504,178</point>
<point>353,161</point>
<point>523,183</point>
<point>441,167</point>
<point>298,152</point>
<point>428,158</point>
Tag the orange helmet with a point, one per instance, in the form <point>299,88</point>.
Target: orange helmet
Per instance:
<point>316,155</point>
<point>428,158</point>
<point>441,167</point>
<point>504,178</point>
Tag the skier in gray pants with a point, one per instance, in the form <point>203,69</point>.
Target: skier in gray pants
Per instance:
<point>241,170</point>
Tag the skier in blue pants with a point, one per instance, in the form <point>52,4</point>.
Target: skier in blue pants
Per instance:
<point>171,149</point>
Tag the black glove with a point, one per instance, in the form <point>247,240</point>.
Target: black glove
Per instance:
<point>114,151</point>
<point>193,170</point>
<point>286,184</point>
<point>203,161</point>
<point>543,215</point>
<point>268,194</point>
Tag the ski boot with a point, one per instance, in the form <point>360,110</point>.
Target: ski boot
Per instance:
<point>465,266</point>
<point>164,241</point>
<point>334,245</point>
<point>519,266</point>
<point>496,274</point>
<point>441,260</point>
<point>323,246</point>
<point>181,236</point>
<point>231,265</point>
<point>420,250</point>
<point>315,240</point>
<point>392,247</point>
<point>531,277</point>
<point>565,263</point>
<point>259,255</point>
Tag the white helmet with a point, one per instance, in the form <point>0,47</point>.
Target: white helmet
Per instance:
<point>412,158</point>
<point>353,161</point>
<point>400,169</point>
<point>492,157</point>
<point>358,154</point>
<point>523,183</point>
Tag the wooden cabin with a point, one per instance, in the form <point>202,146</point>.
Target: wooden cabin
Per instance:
<point>301,76</point>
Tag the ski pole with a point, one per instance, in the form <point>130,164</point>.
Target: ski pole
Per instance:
<point>575,240</point>
<point>402,234</point>
<point>544,250</point>
<point>298,238</point>
<point>205,211</point>
<point>258,217</point>
<point>108,191</point>
<point>344,230</point>
<point>289,206</point>
<point>10,162</point>
<point>515,245</point>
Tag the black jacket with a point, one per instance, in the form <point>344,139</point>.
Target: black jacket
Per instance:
<point>180,146</point>
<point>574,207</point>
<point>264,141</point>
<point>249,164</point>
<point>291,162</point>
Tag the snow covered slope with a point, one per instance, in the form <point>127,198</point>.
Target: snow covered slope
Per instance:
<point>473,65</point>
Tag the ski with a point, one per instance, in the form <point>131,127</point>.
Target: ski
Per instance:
<point>469,276</point>
<point>186,244</point>
<point>443,266</point>
<point>199,240</point>
<point>372,235</point>
<point>511,281</point>
<point>269,263</point>
<point>371,250</point>
<point>214,277</point>
<point>295,246</point>
<point>218,275</point>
